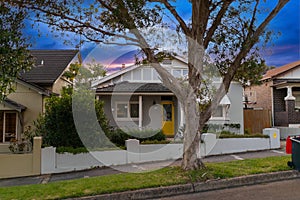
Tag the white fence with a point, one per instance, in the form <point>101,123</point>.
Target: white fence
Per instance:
<point>54,163</point>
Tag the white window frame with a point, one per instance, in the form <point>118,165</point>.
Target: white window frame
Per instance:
<point>128,118</point>
<point>4,127</point>
<point>224,114</point>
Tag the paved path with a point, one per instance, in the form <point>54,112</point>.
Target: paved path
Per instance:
<point>133,168</point>
<point>283,190</point>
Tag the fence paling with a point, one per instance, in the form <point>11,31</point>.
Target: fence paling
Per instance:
<point>256,120</point>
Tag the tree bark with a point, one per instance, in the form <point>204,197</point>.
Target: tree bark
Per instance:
<point>191,145</point>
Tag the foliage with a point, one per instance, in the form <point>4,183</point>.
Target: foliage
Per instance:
<point>118,136</point>
<point>71,150</point>
<point>133,181</point>
<point>228,134</point>
<point>14,56</point>
<point>72,72</point>
<point>24,145</point>
<point>156,142</point>
<point>251,72</point>
<point>213,128</point>
<point>87,73</point>
<point>57,124</point>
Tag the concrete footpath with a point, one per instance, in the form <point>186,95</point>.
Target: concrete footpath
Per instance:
<point>43,179</point>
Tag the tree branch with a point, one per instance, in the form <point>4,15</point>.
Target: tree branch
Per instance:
<point>216,22</point>
<point>72,19</point>
<point>186,30</point>
<point>246,47</point>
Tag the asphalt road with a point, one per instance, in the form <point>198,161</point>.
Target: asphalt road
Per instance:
<point>283,190</point>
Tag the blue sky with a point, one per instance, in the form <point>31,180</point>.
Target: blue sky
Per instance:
<point>284,49</point>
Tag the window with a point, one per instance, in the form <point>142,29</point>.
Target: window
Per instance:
<point>147,74</point>
<point>221,113</point>
<point>218,112</point>
<point>185,72</point>
<point>179,72</point>
<point>122,110</point>
<point>8,126</point>
<point>127,110</point>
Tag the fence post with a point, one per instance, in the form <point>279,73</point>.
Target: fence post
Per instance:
<point>133,150</point>
<point>36,155</point>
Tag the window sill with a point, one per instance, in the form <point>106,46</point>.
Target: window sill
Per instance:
<point>127,119</point>
<point>219,119</point>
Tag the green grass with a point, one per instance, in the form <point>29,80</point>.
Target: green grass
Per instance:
<point>133,181</point>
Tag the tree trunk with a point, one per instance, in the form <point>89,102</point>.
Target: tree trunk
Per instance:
<point>191,145</point>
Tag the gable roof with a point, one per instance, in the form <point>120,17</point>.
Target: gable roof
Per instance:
<point>49,65</point>
<point>280,70</point>
<point>127,69</point>
<point>114,75</point>
<point>35,87</point>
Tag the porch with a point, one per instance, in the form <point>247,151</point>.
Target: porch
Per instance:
<point>286,103</point>
<point>138,106</point>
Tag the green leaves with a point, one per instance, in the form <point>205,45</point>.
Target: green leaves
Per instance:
<point>14,56</point>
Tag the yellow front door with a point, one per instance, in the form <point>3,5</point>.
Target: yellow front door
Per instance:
<point>168,118</point>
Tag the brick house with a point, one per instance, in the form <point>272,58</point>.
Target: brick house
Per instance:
<point>279,92</point>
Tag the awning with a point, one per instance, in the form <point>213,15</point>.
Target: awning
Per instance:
<point>14,105</point>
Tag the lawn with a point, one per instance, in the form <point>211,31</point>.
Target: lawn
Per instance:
<point>132,181</point>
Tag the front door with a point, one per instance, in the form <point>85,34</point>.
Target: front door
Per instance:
<point>168,118</point>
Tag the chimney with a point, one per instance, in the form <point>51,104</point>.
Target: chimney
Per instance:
<point>123,66</point>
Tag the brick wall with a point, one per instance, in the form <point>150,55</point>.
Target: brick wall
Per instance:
<point>280,113</point>
<point>293,115</point>
<point>278,99</point>
<point>260,95</point>
<point>285,112</point>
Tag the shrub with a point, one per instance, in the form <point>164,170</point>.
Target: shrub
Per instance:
<point>71,150</point>
<point>57,124</point>
<point>118,136</point>
<point>227,134</point>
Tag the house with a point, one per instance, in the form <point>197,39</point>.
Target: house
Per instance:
<point>279,92</point>
<point>135,98</point>
<point>23,106</point>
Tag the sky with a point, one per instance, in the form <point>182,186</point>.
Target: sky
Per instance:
<point>285,49</point>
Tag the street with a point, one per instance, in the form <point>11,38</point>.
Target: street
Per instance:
<point>284,190</point>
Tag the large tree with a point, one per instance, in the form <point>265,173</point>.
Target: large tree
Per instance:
<point>226,30</point>
<point>14,56</point>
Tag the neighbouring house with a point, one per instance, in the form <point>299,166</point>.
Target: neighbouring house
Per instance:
<point>135,98</point>
<point>279,92</point>
<point>23,106</point>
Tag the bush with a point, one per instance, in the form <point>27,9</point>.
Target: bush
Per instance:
<point>71,150</point>
<point>227,134</point>
<point>57,124</point>
<point>118,136</point>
